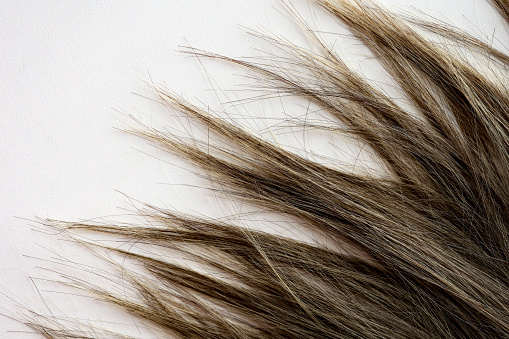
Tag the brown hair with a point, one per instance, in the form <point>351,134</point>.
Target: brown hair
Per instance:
<point>424,247</point>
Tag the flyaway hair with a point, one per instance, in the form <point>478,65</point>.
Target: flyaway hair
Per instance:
<point>419,252</point>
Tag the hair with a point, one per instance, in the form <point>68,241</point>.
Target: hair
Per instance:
<point>419,251</point>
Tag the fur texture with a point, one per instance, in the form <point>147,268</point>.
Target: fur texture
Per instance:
<point>426,246</point>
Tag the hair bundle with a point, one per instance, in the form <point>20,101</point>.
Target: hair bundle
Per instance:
<point>420,251</point>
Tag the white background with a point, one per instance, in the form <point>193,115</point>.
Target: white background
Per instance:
<point>67,71</point>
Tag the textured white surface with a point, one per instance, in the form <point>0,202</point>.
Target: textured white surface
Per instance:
<point>66,67</point>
